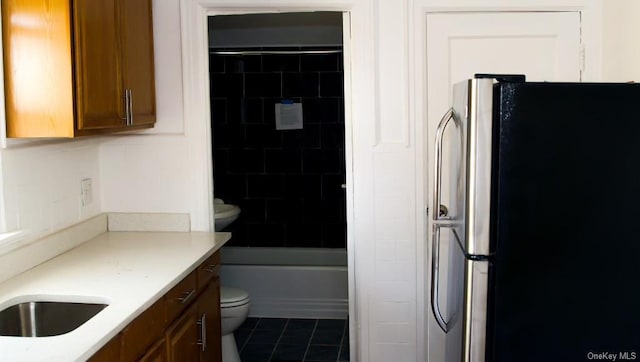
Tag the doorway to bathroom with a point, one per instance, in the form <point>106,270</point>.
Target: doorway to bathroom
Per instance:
<point>279,153</point>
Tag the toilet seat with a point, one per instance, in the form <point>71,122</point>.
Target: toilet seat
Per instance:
<point>233,297</point>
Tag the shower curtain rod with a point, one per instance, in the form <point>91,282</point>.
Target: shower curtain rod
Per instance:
<point>272,52</point>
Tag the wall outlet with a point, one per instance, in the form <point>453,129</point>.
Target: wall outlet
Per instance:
<point>86,191</point>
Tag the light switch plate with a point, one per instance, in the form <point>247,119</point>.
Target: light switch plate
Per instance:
<point>87,191</point>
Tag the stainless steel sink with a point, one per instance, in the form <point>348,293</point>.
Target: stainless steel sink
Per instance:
<point>45,318</point>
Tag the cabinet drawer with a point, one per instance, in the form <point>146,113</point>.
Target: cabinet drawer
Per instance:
<point>209,269</point>
<point>181,296</point>
<point>143,331</point>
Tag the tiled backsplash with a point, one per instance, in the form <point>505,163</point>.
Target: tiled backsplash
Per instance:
<point>287,182</point>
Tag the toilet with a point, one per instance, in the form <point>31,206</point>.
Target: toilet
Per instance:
<point>234,305</point>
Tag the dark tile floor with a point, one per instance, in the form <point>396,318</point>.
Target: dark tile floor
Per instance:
<point>300,340</point>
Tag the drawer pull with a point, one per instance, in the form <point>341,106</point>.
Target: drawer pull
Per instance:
<point>187,296</point>
<point>203,332</point>
<point>210,268</point>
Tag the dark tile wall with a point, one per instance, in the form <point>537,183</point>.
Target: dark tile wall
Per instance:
<point>287,182</point>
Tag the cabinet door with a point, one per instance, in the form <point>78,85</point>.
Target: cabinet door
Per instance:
<point>209,314</point>
<point>138,67</point>
<point>182,338</point>
<point>157,353</point>
<point>100,95</point>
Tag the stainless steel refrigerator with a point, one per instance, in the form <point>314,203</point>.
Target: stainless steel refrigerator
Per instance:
<point>541,222</point>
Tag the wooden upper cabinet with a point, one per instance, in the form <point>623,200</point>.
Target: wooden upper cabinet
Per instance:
<point>138,70</point>
<point>36,41</point>
<point>99,86</point>
<point>69,66</point>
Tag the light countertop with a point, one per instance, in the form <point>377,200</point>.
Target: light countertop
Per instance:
<point>129,271</point>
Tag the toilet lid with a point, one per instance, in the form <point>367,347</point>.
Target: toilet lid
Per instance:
<point>233,296</point>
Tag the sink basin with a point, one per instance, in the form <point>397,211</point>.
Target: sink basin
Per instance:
<point>45,318</point>
<point>224,214</point>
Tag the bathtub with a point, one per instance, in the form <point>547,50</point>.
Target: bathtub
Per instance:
<point>289,282</point>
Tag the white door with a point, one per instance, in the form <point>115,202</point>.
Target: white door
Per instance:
<point>544,46</point>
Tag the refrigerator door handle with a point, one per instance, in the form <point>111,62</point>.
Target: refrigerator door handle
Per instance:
<point>437,215</point>
<point>435,276</point>
<point>437,174</point>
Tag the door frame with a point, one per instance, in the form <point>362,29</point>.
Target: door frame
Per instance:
<point>197,115</point>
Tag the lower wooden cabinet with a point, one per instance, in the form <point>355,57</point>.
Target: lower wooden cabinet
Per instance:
<point>157,353</point>
<point>210,319</point>
<point>183,326</point>
<point>183,337</point>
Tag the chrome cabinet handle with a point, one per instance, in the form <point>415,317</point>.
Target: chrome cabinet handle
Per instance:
<point>187,296</point>
<point>130,107</point>
<point>203,332</point>
<point>437,173</point>
<point>126,108</point>
<point>435,274</point>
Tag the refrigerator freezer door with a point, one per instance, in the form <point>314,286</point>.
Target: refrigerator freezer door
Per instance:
<point>461,276</point>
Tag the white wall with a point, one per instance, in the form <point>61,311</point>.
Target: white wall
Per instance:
<point>147,172</point>
<point>42,184</point>
<point>621,48</point>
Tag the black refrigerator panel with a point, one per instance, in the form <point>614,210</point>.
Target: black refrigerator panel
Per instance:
<point>565,236</point>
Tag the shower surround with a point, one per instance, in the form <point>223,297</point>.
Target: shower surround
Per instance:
<point>287,182</point>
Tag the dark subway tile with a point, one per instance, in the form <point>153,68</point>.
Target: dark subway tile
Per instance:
<point>281,63</point>
<point>246,161</point>
<point>332,187</point>
<point>234,110</point>
<point>216,63</point>
<point>284,210</point>
<point>307,137</point>
<point>239,235</point>
<point>334,235</point>
<point>300,84</point>
<point>218,111</point>
<point>253,210</point>
<point>229,135</point>
<point>243,63</point>
<point>263,85</point>
<point>332,211</point>
<point>321,161</point>
<point>262,135</point>
<point>320,62</point>
<point>322,110</point>
<point>332,136</point>
<point>283,161</point>
<point>230,186</point>
<point>220,159</point>
<point>307,187</point>
<point>269,110</point>
<point>267,186</point>
<point>265,235</point>
<point>251,110</point>
<point>226,85</point>
<point>304,235</point>
<point>331,84</point>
